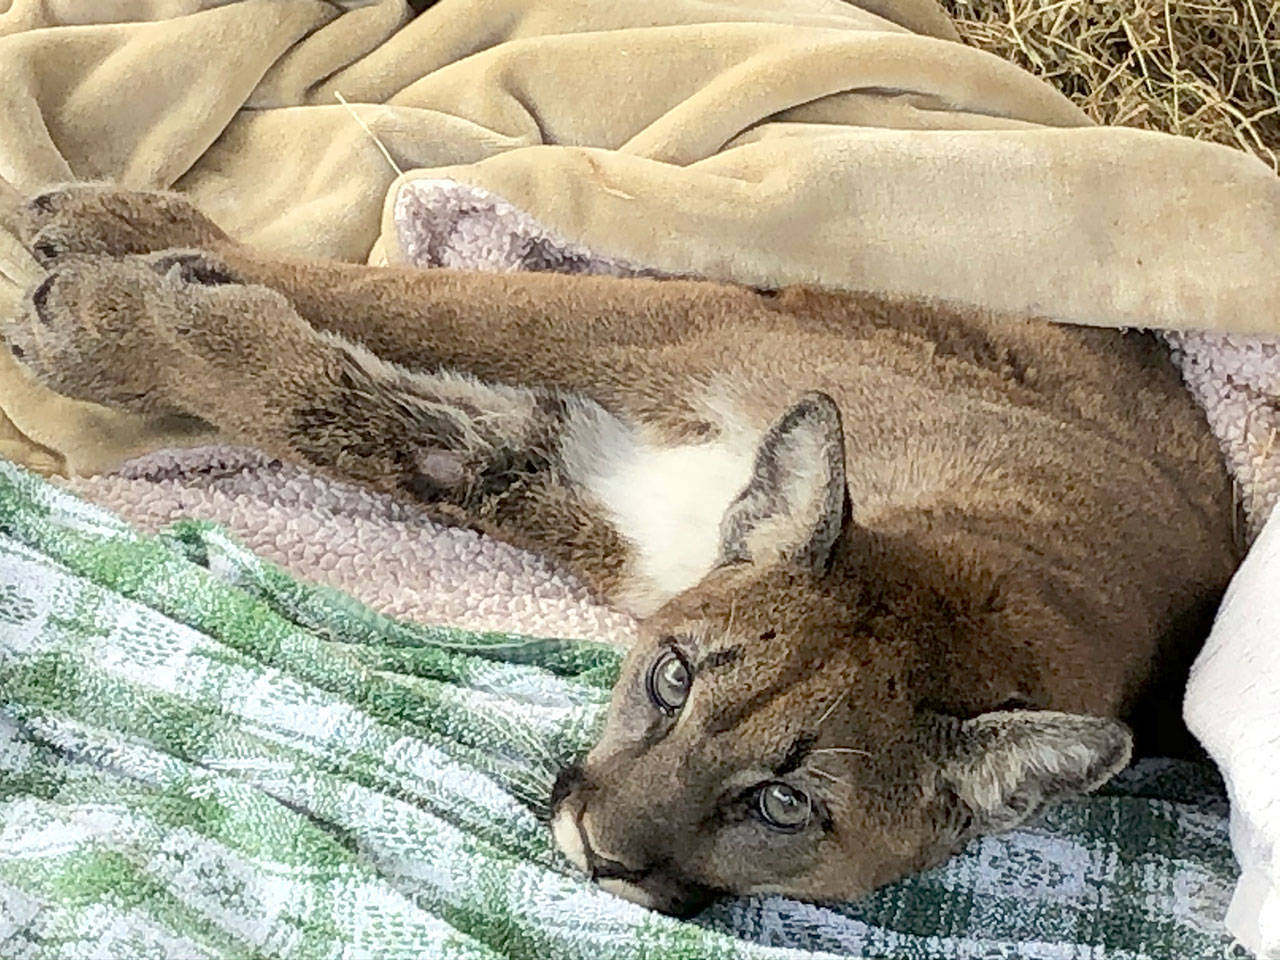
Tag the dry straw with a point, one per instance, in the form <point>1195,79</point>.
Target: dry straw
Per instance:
<point>1201,68</point>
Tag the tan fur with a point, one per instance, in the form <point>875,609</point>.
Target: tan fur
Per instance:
<point>967,547</point>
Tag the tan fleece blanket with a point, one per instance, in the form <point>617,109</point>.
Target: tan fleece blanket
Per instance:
<point>764,141</point>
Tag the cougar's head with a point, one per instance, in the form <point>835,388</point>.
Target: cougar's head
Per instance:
<point>769,734</point>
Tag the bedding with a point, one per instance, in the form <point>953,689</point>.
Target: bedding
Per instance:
<point>202,756</point>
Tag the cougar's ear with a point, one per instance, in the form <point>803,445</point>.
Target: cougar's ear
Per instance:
<point>793,506</point>
<point>1004,768</point>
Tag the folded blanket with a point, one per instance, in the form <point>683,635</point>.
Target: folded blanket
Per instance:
<point>203,757</point>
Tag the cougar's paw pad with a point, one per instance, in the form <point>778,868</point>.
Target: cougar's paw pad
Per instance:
<point>32,336</point>
<point>50,202</point>
<point>45,202</point>
<point>49,248</point>
<point>193,266</point>
<point>62,239</point>
<point>39,299</point>
<point>59,207</point>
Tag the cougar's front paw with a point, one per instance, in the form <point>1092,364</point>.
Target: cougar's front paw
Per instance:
<point>87,332</point>
<point>85,220</point>
<point>170,332</point>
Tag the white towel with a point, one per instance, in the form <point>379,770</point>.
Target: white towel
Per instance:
<point>1233,708</point>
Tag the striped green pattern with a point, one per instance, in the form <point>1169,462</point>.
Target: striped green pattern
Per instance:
<point>203,757</point>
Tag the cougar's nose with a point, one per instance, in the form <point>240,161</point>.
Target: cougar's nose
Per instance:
<point>568,780</point>
<point>616,849</point>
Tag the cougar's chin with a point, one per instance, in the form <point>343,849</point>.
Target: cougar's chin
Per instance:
<point>663,893</point>
<point>656,889</point>
<point>568,837</point>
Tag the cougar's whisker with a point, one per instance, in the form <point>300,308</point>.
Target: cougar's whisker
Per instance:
<point>832,709</point>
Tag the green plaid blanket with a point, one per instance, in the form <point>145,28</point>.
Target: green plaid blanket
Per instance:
<point>203,757</point>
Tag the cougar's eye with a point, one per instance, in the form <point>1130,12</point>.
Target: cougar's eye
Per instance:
<point>669,680</point>
<point>783,806</point>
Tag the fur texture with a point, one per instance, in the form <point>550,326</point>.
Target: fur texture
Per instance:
<point>963,553</point>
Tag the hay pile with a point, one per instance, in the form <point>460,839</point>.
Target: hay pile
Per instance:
<point>1200,68</point>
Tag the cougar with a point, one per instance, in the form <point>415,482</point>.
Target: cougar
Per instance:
<point>906,573</point>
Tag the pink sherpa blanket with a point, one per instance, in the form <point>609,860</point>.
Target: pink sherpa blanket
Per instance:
<point>399,562</point>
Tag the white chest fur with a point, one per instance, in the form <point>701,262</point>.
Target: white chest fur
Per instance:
<point>666,501</point>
